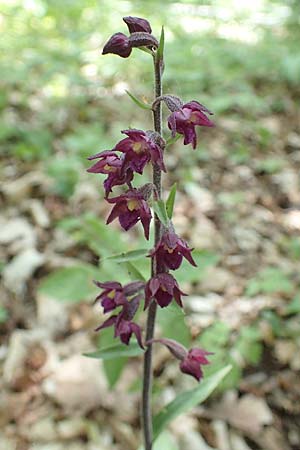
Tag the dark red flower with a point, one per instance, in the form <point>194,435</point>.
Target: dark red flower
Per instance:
<point>136,24</point>
<point>191,360</point>
<point>191,364</point>
<point>114,294</point>
<point>140,147</point>
<point>118,44</point>
<point>171,249</point>
<point>129,209</point>
<point>124,327</point>
<point>114,166</point>
<point>163,288</point>
<point>184,120</point>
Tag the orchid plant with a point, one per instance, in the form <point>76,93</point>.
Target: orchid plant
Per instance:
<point>129,156</point>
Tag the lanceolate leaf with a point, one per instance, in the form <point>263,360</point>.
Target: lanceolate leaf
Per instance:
<point>187,400</point>
<point>171,200</point>
<point>138,102</point>
<point>129,256</point>
<point>116,351</point>
<point>160,50</point>
<point>70,284</point>
<point>171,140</point>
<point>160,209</point>
<point>134,273</point>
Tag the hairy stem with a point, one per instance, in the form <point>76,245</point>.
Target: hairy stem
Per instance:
<point>147,380</point>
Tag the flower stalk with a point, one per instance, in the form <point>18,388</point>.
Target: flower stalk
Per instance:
<point>155,269</point>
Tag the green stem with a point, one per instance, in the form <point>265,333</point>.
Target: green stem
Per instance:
<point>147,380</point>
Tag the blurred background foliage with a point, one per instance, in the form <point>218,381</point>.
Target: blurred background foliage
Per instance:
<point>61,101</point>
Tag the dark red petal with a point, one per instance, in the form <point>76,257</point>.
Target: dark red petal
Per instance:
<point>163,298</point>
<point>172,124</point>
<point>172,260</point>
<point>134,134</point>
<point>137,331</point>
<point>178,350</point>
<point>137,24</point>
<point>191,368</point>
<point>111,321</point>
<point>196,106</point>
<point>116,211</point>
<point>118,44</point>
<point>128,219</point>
<point>186,252</point>
<point>110,285</point>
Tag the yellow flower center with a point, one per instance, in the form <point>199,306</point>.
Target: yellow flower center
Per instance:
<point>132,204</point>
<point>169,250</point>
<point>137,147</point>
<point>193,117</point>
<point>112,294</point>
<point>109,168</point>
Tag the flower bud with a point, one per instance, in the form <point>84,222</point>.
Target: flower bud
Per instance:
<point>136,24</point>
<point>141,39</point>
<point>118,44</point>
<point>172,102</point>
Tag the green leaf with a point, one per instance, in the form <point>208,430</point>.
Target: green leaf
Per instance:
<point>204,259</point>
<point>215,336</point>
<point>134,273</point>
<point>113,367</point>
<point>187,400</point>
<point>171,200</point>
<point>72,284</point>
<point>138,102</point>
<point>165,441</point>
<point>3,314</point>
<point>129,256</point>
<point>160,50</point>
<point>294,306</point>
<point>172,323</point>
<point>268,281</point>
<point>248,344</point>
<point>161,212</point>
<point>171,140</point>
<point>116,351</point>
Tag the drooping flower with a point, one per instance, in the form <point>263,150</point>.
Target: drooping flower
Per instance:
<point>191,360</point>
<point>118,44</point>
<point>137,24</point>
<point>140,147</point>
<point>163,288</point>
<point>171,249</point>
<point>124,327</point>
<point>114,294</point>
<point>130,208</point>
<point>114,166</point>
<point>185,119</point>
